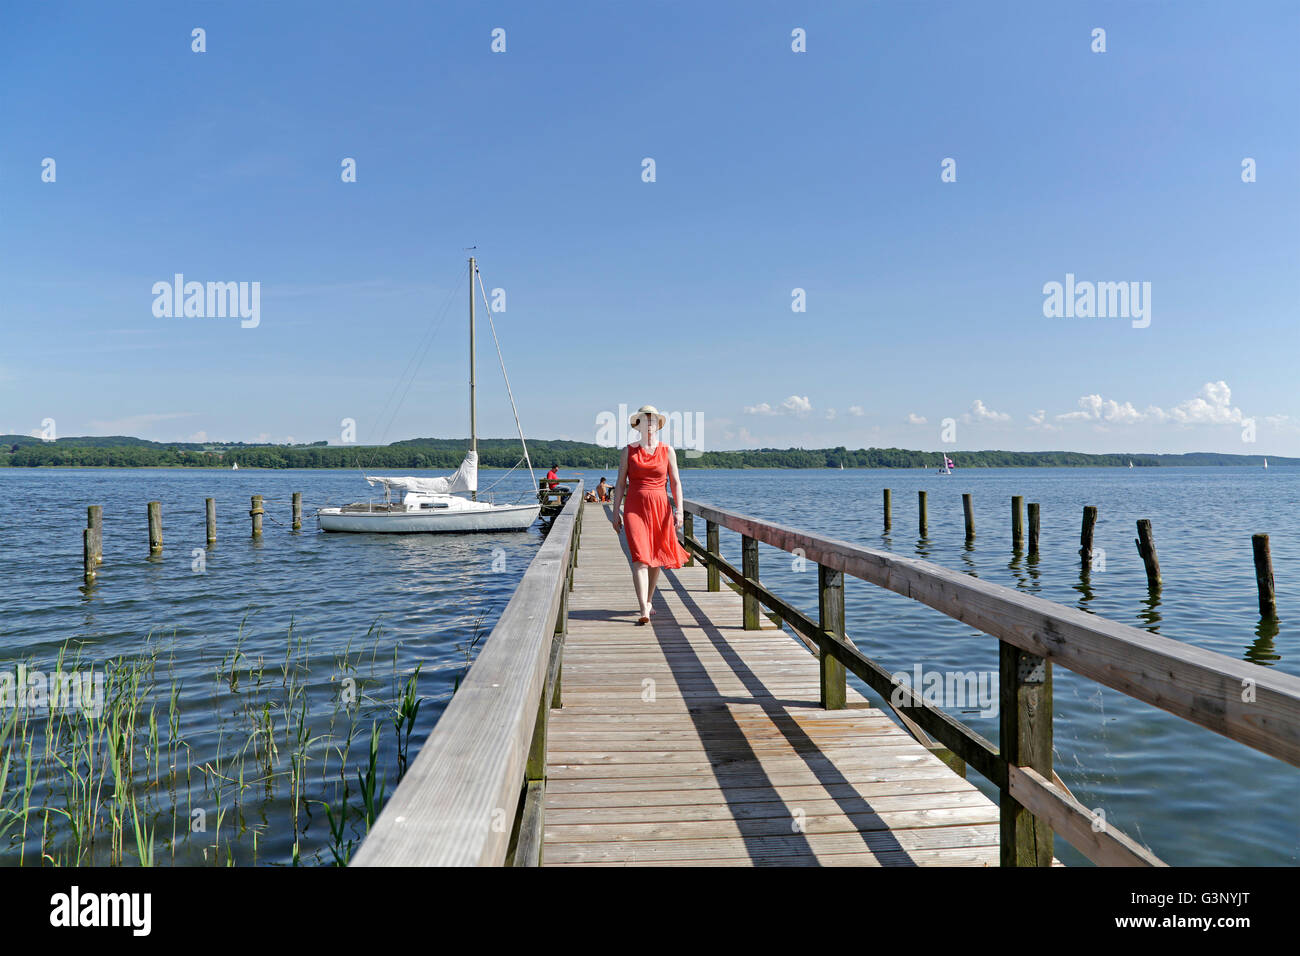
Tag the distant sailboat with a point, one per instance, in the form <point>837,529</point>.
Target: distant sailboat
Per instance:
<point>1130,464</point>
<point>234,466</point>
<point>948,466</point>
<point>1265,462</point>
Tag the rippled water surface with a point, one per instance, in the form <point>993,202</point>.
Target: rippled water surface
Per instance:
<point>252,647</point>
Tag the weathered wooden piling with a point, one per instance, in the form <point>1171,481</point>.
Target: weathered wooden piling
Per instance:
<point>968,506</point>
<point>1085,533</point>
<point>1033,528</point>
<point>95,524</point>
<point>1264,576</point>
<point>255,512</point>
<point>887,509</point>
<point>297,511</point>
<point>155,527</point>
<point>711,545</point>
<point>1017,522</point>
<point>749,568</point>
<point>88,556</point>
<point>1146,545</point>
<point>923,521</point>
<point>211,505</point>
<point>830,617</point>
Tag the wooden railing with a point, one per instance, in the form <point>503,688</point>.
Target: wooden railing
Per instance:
<point>1254,705</point>
<point>474,794</point>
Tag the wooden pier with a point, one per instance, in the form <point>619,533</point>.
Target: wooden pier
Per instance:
<point>693,741</point>
<point>713,736</point>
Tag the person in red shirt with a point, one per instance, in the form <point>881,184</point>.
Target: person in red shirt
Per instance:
<point>553,473</point>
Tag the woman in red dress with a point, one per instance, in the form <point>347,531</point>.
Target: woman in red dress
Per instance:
<point>652,526</point>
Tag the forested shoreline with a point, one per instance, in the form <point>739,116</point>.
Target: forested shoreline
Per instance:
<point>121,452</point>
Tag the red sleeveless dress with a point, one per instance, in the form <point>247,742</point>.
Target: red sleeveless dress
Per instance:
<point>647,515</point>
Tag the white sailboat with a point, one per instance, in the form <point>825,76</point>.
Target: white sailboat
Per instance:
<point>434,505</point>
<point>1265,462</point>
<point>1130,464</point>
<point>946,468</point>
<point>234,466</point>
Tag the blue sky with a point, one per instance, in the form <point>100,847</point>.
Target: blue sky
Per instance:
<point>775,170</point>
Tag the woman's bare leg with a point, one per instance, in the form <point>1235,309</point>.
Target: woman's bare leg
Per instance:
<point>640,582</point>
<point>652,581</point>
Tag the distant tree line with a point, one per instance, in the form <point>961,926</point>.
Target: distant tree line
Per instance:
<point>446,453</point>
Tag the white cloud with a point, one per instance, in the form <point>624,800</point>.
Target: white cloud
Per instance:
<point>794,405</point>
<point>915,419</point>
<point>1211,406</point>
<point>979,412</point>
<point>856,411</point>
<point>830,414</point>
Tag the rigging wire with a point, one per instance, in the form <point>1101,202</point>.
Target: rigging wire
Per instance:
<point>491,325</point>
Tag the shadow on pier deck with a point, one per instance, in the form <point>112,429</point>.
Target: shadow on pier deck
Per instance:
<point>692,741</point>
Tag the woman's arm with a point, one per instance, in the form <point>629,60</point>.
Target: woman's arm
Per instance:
<point>620,488</point>
<point>676,480</point>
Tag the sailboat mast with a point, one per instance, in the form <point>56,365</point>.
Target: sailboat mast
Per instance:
<point>473,422</point>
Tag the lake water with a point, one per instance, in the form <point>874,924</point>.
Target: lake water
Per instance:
<point>270,662</point>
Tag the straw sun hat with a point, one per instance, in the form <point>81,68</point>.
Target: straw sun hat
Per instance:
<point>635,420</point>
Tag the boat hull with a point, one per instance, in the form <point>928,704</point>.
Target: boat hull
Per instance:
<point>505,518</point>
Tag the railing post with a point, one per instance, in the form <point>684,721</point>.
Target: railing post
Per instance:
<point>830,617</point>
<point>749,568</point>
<point>688,532</point>
<point>1025,688</point>
<point>711,546</point>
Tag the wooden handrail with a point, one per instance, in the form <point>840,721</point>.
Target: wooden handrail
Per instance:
<point>1202,686</point>
<point>1207,688</point>
<point>460,800</point>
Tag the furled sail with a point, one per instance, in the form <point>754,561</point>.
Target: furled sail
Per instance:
<point>464,479</point>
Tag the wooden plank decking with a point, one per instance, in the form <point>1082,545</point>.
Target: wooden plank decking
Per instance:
<point>694,742</point>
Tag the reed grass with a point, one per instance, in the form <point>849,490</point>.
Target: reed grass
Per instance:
<point>130,784</point>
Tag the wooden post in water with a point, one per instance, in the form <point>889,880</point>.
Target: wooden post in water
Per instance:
<point>1033,528</point>
<point>924,522</point>
<point>749,568</point>
<point>1085,534</point>
<point>1146,545</point>
<point>1264,575</point>
<point>688,534</point>
<point>830,617</point>
<point>211,506</point>
<point>711,545</point>
<point>255,512</point>
<point>95,522</point>
<point>1017,522</point>
<point>297,510</point>
<point>88,556</point>
<point>1025,688</point>
<point>155,527</point>
<point>886,509</point>
<point>968,506</point>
